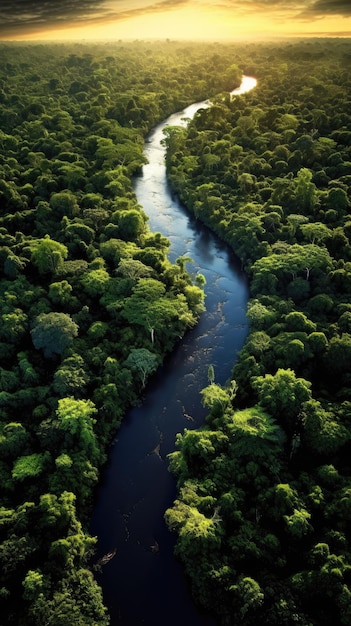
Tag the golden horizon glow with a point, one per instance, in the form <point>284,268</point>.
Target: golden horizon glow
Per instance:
<point>184,21</point>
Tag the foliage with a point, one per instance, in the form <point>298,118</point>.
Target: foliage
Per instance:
<point>143,362</point>
<point>53,332</point>
<point>269,172</point>
<point>48,255</point>
<point>283,395</point>
<point>29,466</point>
<point>76,255</point>
<point>263,509</point>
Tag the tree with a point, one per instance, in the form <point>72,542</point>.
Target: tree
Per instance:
<point>298,523</point>
<point>297,321</point>
<point>75,419</point>
<point>305,192</point>
<point>33,584</point>
<point>195,298</point>
<point>198,534</point>
<point>64,203</point>
<point>13,266</point>
<point>283,395</point>
<point>48,255</point>
<point>317,232</point>
<point>338,356</point>
<point>30,466</point>
<point>73,176</point>
<point>257,343</point>
<point>232,77</point>
<point>318,343</point>
<point>68,598</point>
<point>156,312</point>
<point>143,362</point>
<point>215,396</point>
<point>131,224</point>
<point>337,199</point>
<point>60,292</point>
<point>133,269</point>
<point>53,332</point>
<point>322,432</point>
<point>295,220</point>
<point>74,415</point>
<point>14,440</point>
<point>116,250</point>
<point>71,377</point>
<point>249,595</point>
<point>211,374</point>
<point>261,317</point>
<point>78,232</point>
<point>308,261</point>
<point>95,281</point>
<point>14,325</point>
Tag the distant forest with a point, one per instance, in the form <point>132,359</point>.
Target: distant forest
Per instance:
<point>90,306</point>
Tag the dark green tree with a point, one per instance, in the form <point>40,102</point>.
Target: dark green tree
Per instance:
<point>53,332</point>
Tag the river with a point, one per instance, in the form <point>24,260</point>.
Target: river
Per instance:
<point>144,584</point>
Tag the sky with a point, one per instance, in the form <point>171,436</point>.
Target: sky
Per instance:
<point>77,20</point>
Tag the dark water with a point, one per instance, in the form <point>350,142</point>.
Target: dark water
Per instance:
<point>144,583</point>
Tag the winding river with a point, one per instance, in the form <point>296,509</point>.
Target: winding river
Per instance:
<point>144,584</point>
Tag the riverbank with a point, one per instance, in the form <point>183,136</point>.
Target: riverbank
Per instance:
<point>137,487</point>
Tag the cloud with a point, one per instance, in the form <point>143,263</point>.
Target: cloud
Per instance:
<point>29,16</point>
<point>150,7</point>
<point>325,34</point>
<point>12,11</point>
<point>278,9</point>
<point>26,15</point>
<point>327,8</point>
<point>254,5</point>
<point>320,8</point>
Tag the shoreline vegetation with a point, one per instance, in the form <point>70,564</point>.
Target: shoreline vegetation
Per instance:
<point>90,305</point>
<point>263,512</point>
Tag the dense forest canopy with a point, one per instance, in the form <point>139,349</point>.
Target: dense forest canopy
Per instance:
<point>90,305</point>
<point>263,514</point>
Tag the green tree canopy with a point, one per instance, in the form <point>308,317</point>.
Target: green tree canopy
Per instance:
<point>30,466</point>
<point>53,332</point>
<point>283,395</point>
<point>75,418</point>
<point>48,255</point>
<point>143,362</point>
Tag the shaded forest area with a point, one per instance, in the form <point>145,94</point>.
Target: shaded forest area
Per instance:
<point>89,302</point>
<point>264,508</point>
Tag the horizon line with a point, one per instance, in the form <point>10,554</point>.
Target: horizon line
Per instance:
<point>242,39</point>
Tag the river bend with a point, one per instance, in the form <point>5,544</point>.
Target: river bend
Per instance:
<point>144,584</point>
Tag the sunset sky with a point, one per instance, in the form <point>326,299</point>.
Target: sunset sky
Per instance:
<point>173,19</point>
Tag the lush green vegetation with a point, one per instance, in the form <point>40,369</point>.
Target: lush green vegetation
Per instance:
<point>89,302</point>
<point>263,514</point>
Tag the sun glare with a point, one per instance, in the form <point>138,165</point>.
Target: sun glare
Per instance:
<point>198,22</point>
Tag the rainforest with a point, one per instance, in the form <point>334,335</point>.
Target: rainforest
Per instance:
<point>91,306</point>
